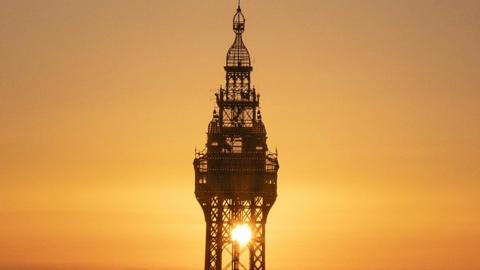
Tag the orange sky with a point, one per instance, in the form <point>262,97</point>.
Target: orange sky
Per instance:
<point>374,107</point>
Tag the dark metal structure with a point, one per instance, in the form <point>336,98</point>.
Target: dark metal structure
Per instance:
<point>236,175</point>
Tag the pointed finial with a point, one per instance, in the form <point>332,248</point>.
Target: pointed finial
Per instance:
<point>239,21</point>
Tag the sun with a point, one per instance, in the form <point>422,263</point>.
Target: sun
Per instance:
<point>242,234</point>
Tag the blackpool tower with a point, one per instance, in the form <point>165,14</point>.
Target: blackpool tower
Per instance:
<point>236,174</point>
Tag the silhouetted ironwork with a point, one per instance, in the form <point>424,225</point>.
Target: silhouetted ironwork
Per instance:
<point>236,175</point>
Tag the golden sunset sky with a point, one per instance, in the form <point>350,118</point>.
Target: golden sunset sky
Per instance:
<point>374,107</point>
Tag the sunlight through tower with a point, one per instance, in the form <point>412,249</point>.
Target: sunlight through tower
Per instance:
<point>236,175</point>
<point>242,234</point>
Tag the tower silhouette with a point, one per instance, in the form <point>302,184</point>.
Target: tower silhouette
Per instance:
<point>236,174</point>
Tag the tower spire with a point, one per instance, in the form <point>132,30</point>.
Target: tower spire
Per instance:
<point>239,21</point>
<point>238,55</point>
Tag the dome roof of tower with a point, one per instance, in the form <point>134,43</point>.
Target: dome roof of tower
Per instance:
<point>238,55</point>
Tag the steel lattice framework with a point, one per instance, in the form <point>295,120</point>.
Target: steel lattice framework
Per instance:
<point>236,175</point>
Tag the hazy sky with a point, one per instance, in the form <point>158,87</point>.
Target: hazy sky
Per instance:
<point>374,107</point>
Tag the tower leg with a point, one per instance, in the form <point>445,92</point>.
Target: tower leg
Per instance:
<point>213,249</point>
<point>236,257</point>
<point>257,247</point>
<point>222,214</point>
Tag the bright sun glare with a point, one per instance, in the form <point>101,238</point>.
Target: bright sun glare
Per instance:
<point>242,234</point>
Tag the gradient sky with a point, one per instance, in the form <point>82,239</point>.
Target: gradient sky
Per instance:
<point>374,107</point>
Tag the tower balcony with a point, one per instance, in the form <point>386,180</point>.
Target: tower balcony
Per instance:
<point>236,174</point>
